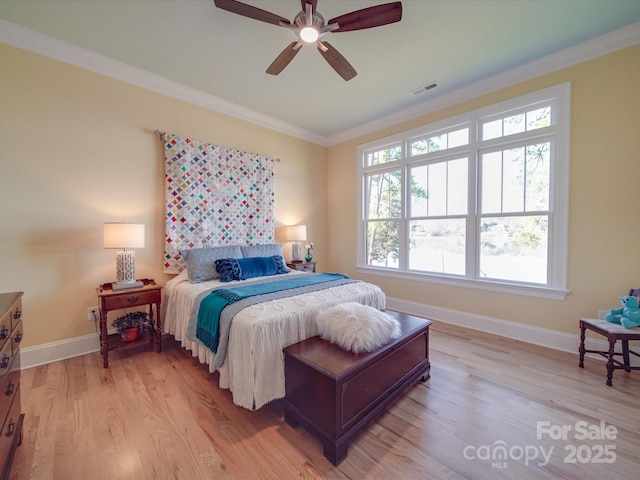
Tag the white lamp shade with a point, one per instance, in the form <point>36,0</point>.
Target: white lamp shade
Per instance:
<point>123,235</point>
<point>297,233</point>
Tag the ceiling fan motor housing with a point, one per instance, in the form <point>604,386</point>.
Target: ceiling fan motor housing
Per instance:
<point>316,24</point>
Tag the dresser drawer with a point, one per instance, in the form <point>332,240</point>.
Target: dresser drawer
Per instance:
<point>11,311</point>
<point>10,386</point>
<point>16,314</point>
<point>135,299</point>
<point>6,357</point>
<point>11,428</point>
<point>16,337</point>
<point>5,329</point>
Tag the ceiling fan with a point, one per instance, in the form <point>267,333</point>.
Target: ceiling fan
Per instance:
<point>310,27</point>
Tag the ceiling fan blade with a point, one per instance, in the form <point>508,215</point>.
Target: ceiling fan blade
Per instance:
<point>369,17</point>
<point>337,61</point>
<point>250,11</point>
<point>313,3</point>
<point>283,59</point>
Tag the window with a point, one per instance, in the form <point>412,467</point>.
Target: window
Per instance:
<point>480,199</point>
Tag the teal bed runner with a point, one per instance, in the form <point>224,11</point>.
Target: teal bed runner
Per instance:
<point>208,325</point>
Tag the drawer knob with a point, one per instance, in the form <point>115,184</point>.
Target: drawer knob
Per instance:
<point>18,337</point>
<point>132,299</point>
<point>4,332</point>
<point>17,314</point>
<point>11,428</point>
<point>5,361</point>
<point>9,391</point>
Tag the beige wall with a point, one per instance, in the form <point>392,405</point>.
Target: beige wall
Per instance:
<point>604,231</point>
<point>78,149</point>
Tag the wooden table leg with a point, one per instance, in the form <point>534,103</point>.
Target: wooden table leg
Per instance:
<point>612,345</point>
<point>159,328</point>
<point>581,348</point>
<point>625,355</point>
<point>104,338</point>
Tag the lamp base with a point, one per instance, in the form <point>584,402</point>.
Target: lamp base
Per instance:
<point>296,252</point>
<point>125,285</point>
<point>126,270</point>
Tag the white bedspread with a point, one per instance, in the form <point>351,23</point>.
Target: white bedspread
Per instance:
<point>254,366</point>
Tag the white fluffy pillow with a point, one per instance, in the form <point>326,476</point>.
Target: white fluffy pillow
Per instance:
<point>357,327</point>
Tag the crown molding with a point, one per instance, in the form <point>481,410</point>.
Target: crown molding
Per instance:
<point>36,42</point>
<point>596,47</point>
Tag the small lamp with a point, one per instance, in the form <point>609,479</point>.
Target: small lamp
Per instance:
<point>296,234</point>
<point>123,236</point>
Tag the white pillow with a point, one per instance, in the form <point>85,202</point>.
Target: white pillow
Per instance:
<point>357,327</point>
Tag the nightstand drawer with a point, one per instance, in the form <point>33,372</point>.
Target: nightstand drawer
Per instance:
<point>302,267</point>
<point>133,300</point>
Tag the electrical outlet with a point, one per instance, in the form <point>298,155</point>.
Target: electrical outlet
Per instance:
<point>93,314</point>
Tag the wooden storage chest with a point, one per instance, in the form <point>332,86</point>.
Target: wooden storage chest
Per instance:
<point>335,393</point>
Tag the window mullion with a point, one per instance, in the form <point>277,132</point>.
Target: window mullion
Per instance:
<point>473,223</point>
<point>403,227</point>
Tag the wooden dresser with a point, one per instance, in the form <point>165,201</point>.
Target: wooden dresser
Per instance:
<point>335,393</point>
<point>11,417</point>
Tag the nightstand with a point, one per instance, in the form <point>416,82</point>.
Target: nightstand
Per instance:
<point>149,294</point>
<point>303,266</point>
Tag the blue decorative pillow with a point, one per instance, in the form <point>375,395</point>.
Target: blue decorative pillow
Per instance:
<point>228,269</point>
<point>242,268</point>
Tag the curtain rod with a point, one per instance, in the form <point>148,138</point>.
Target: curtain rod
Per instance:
<point>161,135</point>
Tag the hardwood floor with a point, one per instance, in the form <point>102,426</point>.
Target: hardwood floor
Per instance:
<point>162,416</point>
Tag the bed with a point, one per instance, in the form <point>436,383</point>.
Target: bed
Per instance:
<point>253,367</point>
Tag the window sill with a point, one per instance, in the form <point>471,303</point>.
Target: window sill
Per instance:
<point>492,286</point>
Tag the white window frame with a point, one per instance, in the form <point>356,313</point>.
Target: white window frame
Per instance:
<point>557,264</point>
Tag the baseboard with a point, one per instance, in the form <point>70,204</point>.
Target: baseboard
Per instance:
<point>74,347</point>
<point>55,351</point>
<point>518,331</point>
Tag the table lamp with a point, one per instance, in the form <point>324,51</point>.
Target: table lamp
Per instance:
<point>296,234</point>
<point>123,236</point>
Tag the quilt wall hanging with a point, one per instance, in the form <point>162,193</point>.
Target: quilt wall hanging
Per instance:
<point>215,196</point>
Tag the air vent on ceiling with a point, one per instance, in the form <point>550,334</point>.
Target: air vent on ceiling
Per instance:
<point>425,88</point>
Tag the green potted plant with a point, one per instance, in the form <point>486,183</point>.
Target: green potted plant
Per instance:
<point>131,324</point>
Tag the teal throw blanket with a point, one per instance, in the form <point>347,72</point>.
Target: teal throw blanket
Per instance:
<point>208,325</point>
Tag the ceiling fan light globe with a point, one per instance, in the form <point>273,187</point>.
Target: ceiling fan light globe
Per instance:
<point>309,34</point>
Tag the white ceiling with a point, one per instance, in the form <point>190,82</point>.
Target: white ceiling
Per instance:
<point>458,43</point>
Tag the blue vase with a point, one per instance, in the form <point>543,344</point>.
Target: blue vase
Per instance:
<point>308,257</point>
